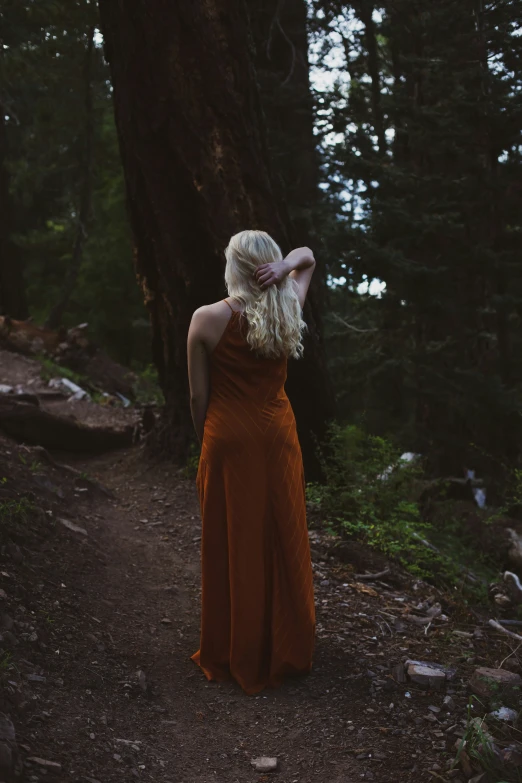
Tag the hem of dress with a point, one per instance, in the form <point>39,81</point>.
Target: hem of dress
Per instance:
<point>277,682</point>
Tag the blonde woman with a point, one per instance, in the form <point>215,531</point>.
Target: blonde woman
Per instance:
<point>258,619</point>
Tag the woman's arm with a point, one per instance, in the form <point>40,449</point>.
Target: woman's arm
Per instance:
<point>299,264</point>
<point>199,376</point>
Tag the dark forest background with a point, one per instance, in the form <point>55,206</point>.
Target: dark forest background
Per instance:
<point>402,164</point>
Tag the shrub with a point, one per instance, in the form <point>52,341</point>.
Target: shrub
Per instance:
<point>147,388</point>
<point>370,494</point>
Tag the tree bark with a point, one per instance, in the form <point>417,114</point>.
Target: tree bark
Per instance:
<point>86,162</point>
<point>197,170</point>
<point>13,299</point>
<point>281,62</point>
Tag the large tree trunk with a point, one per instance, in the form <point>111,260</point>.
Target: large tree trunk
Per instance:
<point>197,170</point>
<point>13,300</point>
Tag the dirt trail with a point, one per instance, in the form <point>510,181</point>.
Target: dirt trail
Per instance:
<point>104,622</point>
<point>131,604</point>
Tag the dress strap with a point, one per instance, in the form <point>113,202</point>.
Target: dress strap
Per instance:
<point>228,303</point>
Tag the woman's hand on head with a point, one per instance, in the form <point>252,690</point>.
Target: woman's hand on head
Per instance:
<point>271,274</point>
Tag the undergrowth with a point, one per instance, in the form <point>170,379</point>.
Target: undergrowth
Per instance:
<point>146,388</point>
<point>51,369</point>
<point>371,495</point>
<point>14,515</point>
<point>190,469</point>
<point>479,745</point>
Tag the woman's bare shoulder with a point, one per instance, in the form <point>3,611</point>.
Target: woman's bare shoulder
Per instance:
<point>209,318</point>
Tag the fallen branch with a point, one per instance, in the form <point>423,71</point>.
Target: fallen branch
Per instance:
<point>498,627</point>
<point>412,618</point>
<point>510,622</point>
<point>30,424</point>
<point>373,576</point>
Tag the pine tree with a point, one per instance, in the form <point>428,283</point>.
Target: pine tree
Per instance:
<point>437,218</point>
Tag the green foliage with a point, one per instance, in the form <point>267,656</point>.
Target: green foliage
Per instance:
<point>191,466</point>
<point>513,494</point>
<point>5,661</point>
<point>14,515</point>
<point>478,743</point>
<point>147,389</point>
<point>51,369</point>
<point>421,152</point>
<point>370,495</point>
<point>44,83</point>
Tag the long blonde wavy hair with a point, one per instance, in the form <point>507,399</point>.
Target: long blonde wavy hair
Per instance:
<point>275,325</point>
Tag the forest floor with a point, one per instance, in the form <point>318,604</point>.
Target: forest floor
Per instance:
<point>100,622</point>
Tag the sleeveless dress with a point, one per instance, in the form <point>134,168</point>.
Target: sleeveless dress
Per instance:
<point>258,616</point>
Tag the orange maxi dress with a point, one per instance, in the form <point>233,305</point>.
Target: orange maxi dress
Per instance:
<point>258,617</point>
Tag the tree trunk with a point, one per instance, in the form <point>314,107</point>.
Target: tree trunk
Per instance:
<point>86,161</point>
<point>196,163</point>
<point>13,300</point>
<point>281,63</point>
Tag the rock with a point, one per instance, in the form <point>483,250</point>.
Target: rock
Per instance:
<point>398,673</point>
<point>6,759</point>
<point>449,703</point>
<point>448,672</point>
<point>15,553</point>
<point>72,526</point>
<point>8,639</point>
<point>43,482</point>
<point>264,764</point>
<point>426,676</point>
<point>142,680</point>
<point>36,678</point>
<point>514,586</point>
<point>49,766</point>
<point>465,764</point>
<point>495,683</point>
<point>166,621</point>
<point>7,730</point>
<point>515,550</point>
<point>6,622</point>
<point>504,713</point>
<point>512,755</point>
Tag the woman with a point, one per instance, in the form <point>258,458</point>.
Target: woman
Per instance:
<point>258,617</point>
